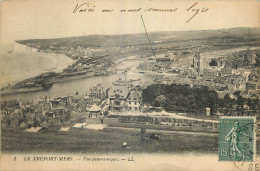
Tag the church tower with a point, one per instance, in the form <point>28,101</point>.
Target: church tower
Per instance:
<point>198,63</point>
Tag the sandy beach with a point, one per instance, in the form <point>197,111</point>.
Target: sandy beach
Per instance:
<point>25,62</point>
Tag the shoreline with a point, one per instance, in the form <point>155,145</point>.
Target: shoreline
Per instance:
<point>53,80</point>
<point>58,63</point>
<point>19,90</point>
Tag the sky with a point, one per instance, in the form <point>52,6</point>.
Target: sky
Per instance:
<point>51,19</point>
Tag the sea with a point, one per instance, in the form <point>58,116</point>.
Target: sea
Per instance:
<point>25,62</point>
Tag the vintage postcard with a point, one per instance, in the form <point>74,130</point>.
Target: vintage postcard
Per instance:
<point>130,85</point>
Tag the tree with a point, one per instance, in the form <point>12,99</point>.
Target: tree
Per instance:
<point>160,100</point>
<point>240,101</point>
<point>213,102</point>
<point>213,62</point>
<point>228,102</point>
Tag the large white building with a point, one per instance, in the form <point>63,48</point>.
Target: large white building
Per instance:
<point>124,99</point>
<point>117,96</point>
<point>134,101</point>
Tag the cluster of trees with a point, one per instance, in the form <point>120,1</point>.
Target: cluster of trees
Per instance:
<point>181,98</point>
<point>239,105</point>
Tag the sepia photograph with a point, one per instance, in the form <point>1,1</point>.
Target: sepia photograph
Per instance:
<point>130,85</point>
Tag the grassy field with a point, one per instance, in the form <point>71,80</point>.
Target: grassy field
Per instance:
<point>103,141</point>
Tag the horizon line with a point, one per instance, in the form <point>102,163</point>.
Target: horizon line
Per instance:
<point>129,33</point>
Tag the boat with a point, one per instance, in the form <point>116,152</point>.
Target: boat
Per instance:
<point>131,80</point>
<point>47,85</point>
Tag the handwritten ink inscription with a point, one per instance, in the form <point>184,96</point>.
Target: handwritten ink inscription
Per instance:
<point>193,10</point>
<point>161,10</point>
<point>85,7</point>
<point>131,10</point>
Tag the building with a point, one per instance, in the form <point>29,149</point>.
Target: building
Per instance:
<point>12,104</point>
<point>59,102</point>
<point>221,62</point>
<point>253,84</point>
<point>210,74</point>
<point>220,80</point>
<point>197,63</point>
<point>191,73</point>
<point>207,109</point>
<point>134,101</point>
<point>118,95</point>
<point>96,93</point>
<point>95,111</point>
<point>226,71</point>
<point>164,60</point>
<point>236,82</point>
<point>249,57</point>
<point>124,98</point>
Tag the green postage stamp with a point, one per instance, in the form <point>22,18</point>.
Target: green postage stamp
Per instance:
<point>237,139</point>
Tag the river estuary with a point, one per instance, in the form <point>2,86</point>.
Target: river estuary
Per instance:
<point>82,86</point>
